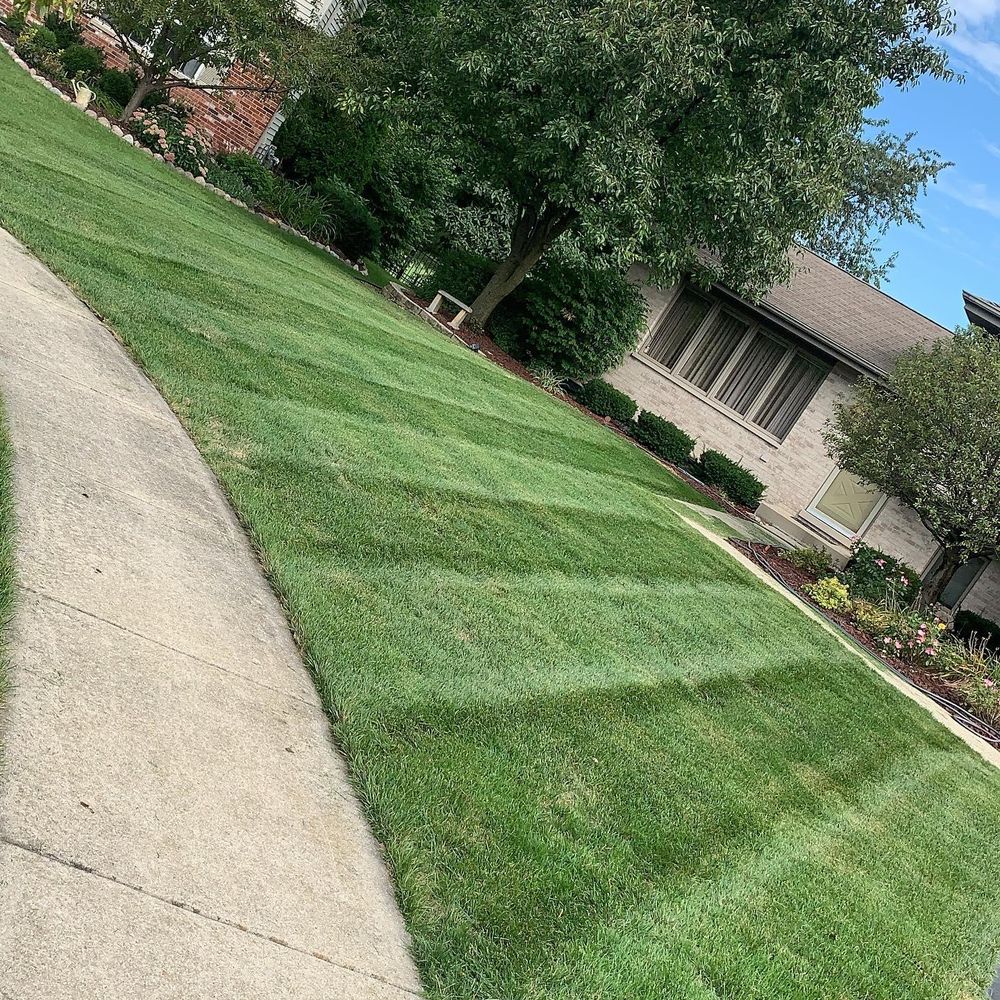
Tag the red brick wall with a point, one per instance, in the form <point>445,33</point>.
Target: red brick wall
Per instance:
<point>229,120</point>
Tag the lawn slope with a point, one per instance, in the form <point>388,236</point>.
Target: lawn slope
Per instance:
<point>604,760</point>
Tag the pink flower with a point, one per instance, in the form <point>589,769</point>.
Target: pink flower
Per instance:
<point>989,682</point>
<point>930,651</point>
<point>899,645</point>
<point>170,157</point>
<point>886,641</point>
<point>880,562</point>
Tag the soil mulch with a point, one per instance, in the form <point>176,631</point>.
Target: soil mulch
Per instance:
<point>483,344</point>
<point>773,561</point>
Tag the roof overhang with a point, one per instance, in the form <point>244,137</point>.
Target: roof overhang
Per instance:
<point>982,312</point>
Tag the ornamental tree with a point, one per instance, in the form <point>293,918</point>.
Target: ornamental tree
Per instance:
<point>160,36</point>
<point>930,436</point>
<point>660,129</point>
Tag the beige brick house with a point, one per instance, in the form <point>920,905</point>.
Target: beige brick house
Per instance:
<point>758,383</point>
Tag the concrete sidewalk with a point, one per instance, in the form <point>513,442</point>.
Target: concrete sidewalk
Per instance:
<point>174,821</point>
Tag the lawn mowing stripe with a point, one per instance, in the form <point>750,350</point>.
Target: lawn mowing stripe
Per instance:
<point>604,761</point>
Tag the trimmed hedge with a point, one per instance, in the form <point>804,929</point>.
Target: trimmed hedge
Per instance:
<point>662,438</point>
<point>875,576</point>
<point>739,484</point>
<point>606,401</point>
<point>973,628</point>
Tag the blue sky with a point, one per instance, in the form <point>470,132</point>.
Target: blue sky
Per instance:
<point>959,246</point>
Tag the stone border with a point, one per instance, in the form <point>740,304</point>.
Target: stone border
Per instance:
<point>200,181</point>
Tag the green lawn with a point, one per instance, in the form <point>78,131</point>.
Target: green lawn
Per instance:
<point>604,760</point>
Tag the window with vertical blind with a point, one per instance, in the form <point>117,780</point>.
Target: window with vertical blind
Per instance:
<point>764,378</point>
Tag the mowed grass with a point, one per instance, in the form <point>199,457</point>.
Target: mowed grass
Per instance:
<point>604,760</point>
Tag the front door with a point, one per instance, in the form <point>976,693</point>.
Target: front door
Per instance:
<point>846,504</point>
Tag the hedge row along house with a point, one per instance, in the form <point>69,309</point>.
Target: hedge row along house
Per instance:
<point>230,120</point>
<point>758,382</point>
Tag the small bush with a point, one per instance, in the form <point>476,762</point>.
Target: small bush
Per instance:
<point>662,438</point>
<point>875,576</point>
<point>168,132</point>
<point>738,483</point>
<point>829,593</point>
<point>300,207</point>
<point>974,629</point>
<point>66,32</point>
<point>353,228</point>
<point>577,319</point>
<point>606,401</point>
<point>82,62</point>
<point>250,171</point>
<point>232,183</point>
<point>16,23</point>
<point>116,85</point>
<point>549,380</point>
<point>810,560</point>
<point>36,45</point>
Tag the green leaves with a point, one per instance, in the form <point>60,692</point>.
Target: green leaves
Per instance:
<point>667,127</point>
<point>931,437</point>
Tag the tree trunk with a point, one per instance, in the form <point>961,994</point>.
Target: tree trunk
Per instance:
<point>142,90</point>
<point>532,235</point>
<point>934,585</point>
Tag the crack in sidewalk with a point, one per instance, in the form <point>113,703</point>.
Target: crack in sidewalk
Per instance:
<point>195,911</point>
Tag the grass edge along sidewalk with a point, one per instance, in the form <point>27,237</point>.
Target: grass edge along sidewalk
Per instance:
<point>603,758</point>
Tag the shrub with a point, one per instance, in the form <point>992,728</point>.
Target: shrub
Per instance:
<point>36,45</point>
<point>829,593</point>
<point>914,637</point>
<point>320,140</point>
<point>875,576</point>
<point>738,483</point>
<point>82,62</point>
<point>248,168</point>
<point>974,629</point>
<point>117,86</point>
<point>810,559</point>
<point>459,273</point>
<point>577,319</point>
<point>232,183</point>
<point>607,401</point>
<point>353,228</point>
<point>300,207</point>
<point>66,32</point>
<point>167,131</point>
<point>662,438</point>
<point>16,22</point>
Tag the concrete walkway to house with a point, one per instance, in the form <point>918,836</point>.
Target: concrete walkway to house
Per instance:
<point>174,820</point>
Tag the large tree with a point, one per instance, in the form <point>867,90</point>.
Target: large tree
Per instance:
<point>662,129</point>
<point>161,36</point>
<point>930,436</point>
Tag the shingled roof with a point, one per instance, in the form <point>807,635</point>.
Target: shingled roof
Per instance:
<point>982,312</point>
<point>846,316</point>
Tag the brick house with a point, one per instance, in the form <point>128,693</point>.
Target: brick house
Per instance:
<point>229,120</point>
<point>758,383</point>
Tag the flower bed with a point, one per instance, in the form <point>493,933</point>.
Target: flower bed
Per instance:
<point>908,640</point>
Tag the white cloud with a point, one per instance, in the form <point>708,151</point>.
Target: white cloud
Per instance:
<point>993,149</point>
<point>976,11</point>
<point>981,50</point>
<point>971,194</point>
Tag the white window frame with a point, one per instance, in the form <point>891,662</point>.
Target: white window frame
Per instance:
<point>753,328</point>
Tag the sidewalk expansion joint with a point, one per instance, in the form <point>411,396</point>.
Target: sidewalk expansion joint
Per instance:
<point>163,645</point>
<point>194,911</point>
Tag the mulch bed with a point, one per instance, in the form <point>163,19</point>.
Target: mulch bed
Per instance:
<point>480,342</point>
<point>773,561</point>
